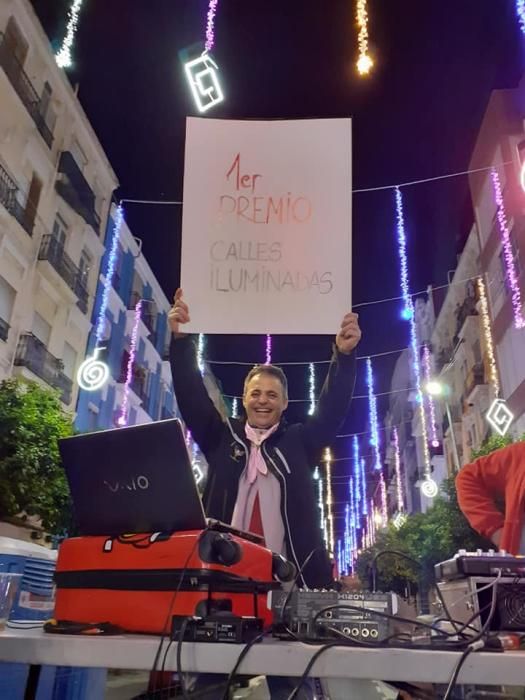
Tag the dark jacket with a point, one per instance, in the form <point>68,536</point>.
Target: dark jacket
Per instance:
<point>291,453</point>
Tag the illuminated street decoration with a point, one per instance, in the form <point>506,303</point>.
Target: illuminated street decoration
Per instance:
<point>329,516</point>
<point>268,349</point>
<point>432,409</point>
<point>508,253</point>
<point>210,25</point>
<point>372,414</point>
<point>63,57</point>
<point>203,79</point>
<point>92,373</point>
<point>311,388</point>
<point>407,311</point>
<point>500,416</point>
<point>235,408</point>
<point>200,352</point>
<point>364,62</point>
<point>429,488</point>
<point>520,11</point>
<point>399,483</point>
<point>487,332</point>
<point>123,417</point>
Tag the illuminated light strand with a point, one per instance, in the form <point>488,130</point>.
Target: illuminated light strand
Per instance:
<point>384,504</point>
<point>268,349</point>
<point>372,411</point>
<point>330,517</point>
<point>487,331</point>
<point>397,465</point>
<point>210,25</point>
<point>321,510</point>
<point>110,272</point>
<point>311,388</point>
<point>432,409</point>
<point>364,62</point>
<point>364,502</point>
<point>510,267</point>
<point>200,352</point>
<point>347,542</point>
<point>403,259</point>
<point>419,393</point>
<point>520,11</point>
<point>353,523</point>
<point>339,557</point>
<point>123,418</point>
<point>235,408</point>
<point>63,57</point>
<point>358,493</point>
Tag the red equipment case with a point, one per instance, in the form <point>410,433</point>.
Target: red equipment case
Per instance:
<point>131,581</point>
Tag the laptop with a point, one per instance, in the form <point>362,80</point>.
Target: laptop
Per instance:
<point>133,479</point>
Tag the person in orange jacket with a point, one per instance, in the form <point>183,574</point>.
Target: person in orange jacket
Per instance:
<point>497,478</point>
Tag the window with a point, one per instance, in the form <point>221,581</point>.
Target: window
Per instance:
<point>41,328</point>
<point>60,231</point>
<point>69,359</point>
<point>7,301</point>
<point>79,155</point>
<point>15,42</point>
<point>33,198</point>
<point>84,266</point>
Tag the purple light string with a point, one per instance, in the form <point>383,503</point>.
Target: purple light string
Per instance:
<point>432,409</point>
<point>268,349</point>
<point>399,485</point>
<point>510,267</point>
<point>372,412</point>
<point>210,25</point>
<point>123,418</point>
<point>108,279</point>
<point>364,502</point>
<point>520,11</point>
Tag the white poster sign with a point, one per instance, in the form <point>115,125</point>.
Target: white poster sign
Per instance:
<point>266,231</point>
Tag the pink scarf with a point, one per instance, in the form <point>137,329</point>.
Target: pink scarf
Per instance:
<point>256,463</point>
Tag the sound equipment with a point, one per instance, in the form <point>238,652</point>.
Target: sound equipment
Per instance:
<point>480,564</point>
<point>140,582</point>
<point>216,628</point>
<point>360,624</point>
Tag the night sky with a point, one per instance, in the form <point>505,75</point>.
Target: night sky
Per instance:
<point>415,116</point>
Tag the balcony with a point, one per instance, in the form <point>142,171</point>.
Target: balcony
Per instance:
<point>4,329</point>
<point>444,357</point>
<point>138,384</point>
<point>467,308</point>
<point>32,353</point>
<point>52,251</point>
<point>476,377</point>
<point>9,198</point>
<point>74,189</point>
<point>24,89</point>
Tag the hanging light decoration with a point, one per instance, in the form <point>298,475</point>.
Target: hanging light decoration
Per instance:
<point>235,408</point>
<point>487,333</point>
<point>372,414</point>
<point>520,11</point>
<point>364,503</point>
<point>399,483</point>
<point>329,516</point>
<point>407,310</point>
<point>64,58</point>
<point>318,477</point>
<point>123,417</point>
<point>508,253</point>
<point>364,61</point>
<point>200,352</point>
<point>268,349</point>
<point>432,409</point>
<point>311,388</point>
<point>210,25</point>
<point>384,502</point>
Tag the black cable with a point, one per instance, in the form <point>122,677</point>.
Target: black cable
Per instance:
<point>239,661</point>
<point>459,665</point>
<point>167,625</point>
<point>309,666</point>
<point>180,640</point>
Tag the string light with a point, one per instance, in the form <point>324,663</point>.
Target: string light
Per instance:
<point>347,543</point>
<point>311,388</point>
<point>432,410</point>
<point>357,491</point>
<point>339,558</point>
<point>397,465</point>
<point>268,349</point>
<point>364,506</point>
<point>63,57</point>
<point>210,25</point>
<point>403,259</point>
<point>321,506</point>
<point>364,62</point>
<point>508,254</point>
<point>123,418</point>
<point>372,409</point>
<point>330,517</point>
<point>200,352</point>
<point>384,503</point>
<point>92,373</point>
<point>235,408</point>
<point>520,11</point>
<point>110,272</point>
<point>487,331</point>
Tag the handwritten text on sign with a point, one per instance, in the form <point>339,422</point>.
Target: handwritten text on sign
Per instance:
<point>266,226</point>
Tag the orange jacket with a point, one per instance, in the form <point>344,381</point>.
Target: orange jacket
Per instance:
<point>500,475</point>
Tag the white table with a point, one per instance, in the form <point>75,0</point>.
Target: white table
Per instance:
<point>270,657</point>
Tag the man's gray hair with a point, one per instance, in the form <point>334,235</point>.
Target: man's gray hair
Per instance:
<point>272,371</point>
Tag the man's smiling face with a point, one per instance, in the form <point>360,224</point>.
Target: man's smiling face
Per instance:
<point>264,401</point>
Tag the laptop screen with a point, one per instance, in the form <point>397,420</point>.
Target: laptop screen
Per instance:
<point>133,479</point>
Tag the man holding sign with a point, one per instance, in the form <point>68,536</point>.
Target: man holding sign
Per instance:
<point>260,468</point>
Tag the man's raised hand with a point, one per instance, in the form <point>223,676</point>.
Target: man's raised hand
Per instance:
<point>349,334</point>
<point>179,313</point>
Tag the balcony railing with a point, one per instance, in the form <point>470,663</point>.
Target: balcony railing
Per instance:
<point>4,329</point>
<point>475,377</point>
<point>9,194</point>
<point>139,387</point>
<point>73,187</point>
<point>467,308</point>
<point>24,89</point>
<point>32,353</point>
<point>52,250</point>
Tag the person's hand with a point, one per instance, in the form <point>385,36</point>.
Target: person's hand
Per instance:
<point>496,537</point>
<point>178,314</point>
<point>349,334</point>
